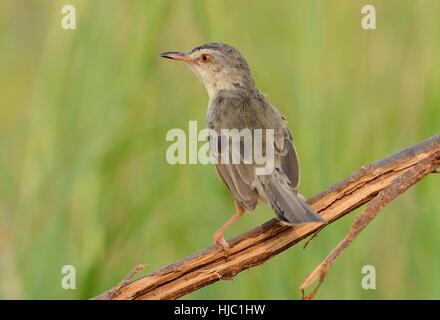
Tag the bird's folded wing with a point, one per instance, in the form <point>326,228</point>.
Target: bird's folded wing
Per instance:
<point>237,178</point>
<point>289,161</point>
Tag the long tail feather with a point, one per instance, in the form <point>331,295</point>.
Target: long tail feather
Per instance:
<point>289,207</point>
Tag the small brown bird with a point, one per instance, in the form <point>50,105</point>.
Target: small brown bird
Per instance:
<point>236,103</point>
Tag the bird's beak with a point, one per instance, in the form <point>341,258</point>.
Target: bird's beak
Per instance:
<point>181,56</point>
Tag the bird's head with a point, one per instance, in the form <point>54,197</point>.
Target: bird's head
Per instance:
<point>219,66</point>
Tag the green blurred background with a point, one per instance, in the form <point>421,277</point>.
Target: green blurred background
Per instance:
<point>84,114</point>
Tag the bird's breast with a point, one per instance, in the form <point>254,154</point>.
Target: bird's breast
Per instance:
<point>232,109</point>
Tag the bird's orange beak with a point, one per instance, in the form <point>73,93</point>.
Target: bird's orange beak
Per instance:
<point>180,56</point>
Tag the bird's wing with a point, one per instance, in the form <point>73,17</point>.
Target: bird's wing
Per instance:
<point>239,179</point>
<point>233,111</point>
<point>240,190</point>
<point>289,160</point>
<point>285,150</point>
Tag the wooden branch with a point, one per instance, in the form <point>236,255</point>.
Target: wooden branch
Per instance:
<point>384,197</point>
<point>260,244</point>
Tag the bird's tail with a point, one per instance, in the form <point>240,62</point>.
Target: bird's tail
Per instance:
<point>289,207</point>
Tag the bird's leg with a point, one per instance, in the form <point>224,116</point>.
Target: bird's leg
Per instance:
<point>218,235</point>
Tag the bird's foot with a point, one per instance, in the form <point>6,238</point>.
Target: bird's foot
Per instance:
<point>218,236</point>
<point>219,240</point>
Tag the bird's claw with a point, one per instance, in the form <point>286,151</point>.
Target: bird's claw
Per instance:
<point>219,240</point>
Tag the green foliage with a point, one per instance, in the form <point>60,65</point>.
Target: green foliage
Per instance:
<point>83,118</point>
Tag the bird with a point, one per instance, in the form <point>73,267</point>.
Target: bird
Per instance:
<point>235,102</point>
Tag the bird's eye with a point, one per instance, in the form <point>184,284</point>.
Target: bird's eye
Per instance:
<point>204,57</point>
